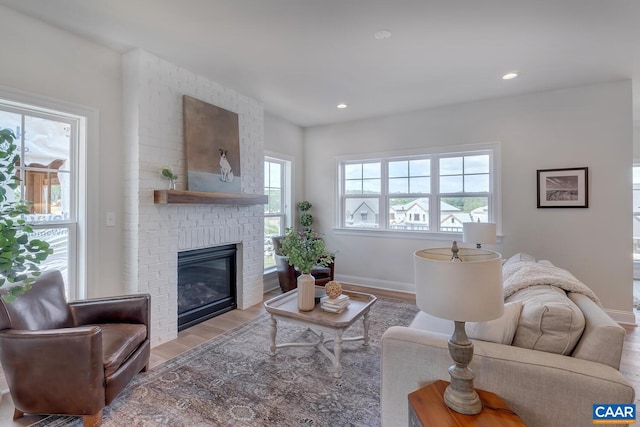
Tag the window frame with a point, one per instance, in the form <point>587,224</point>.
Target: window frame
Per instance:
<point>82,264</point>
<point>493,149</point>
<point>285,214</point>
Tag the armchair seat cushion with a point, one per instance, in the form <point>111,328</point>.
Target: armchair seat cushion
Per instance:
<point>119,341</point>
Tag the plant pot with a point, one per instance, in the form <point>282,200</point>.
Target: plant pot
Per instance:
<point>306,292</point>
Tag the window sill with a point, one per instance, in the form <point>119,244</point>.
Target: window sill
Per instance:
<point>409,235</point>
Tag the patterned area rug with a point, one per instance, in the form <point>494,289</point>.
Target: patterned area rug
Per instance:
<point>232,381</point>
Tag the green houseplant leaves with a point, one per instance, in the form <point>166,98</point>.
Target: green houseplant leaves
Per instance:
<point>20,255</point>
<point>305,250</point>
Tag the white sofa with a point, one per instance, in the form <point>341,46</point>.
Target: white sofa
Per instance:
<point>543,388</point>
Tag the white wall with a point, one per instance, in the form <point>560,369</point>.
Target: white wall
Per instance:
<point>282,137</point>
<point>587,126</point>
<point>285,139</point>
<point>46,62</point>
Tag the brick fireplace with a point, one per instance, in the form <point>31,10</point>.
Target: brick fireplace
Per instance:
<point>155,233</point>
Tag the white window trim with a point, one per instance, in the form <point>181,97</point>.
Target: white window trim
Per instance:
<point>288,181</point>
<point>289,189</point>
<point>495,189</point>
<point>87,159</point>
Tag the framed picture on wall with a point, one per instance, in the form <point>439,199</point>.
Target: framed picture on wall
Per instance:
<point>212,147</point>
<point>563,188</point>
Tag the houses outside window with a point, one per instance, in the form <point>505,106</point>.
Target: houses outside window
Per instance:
<point>428,192</point>
<point>48,144</point>
<point>277,186</point>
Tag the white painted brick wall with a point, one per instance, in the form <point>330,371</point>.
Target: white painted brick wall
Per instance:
<point>153,90</point>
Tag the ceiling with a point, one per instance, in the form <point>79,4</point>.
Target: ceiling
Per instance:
<point>301,58</point>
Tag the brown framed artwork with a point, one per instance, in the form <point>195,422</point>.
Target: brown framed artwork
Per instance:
<point>563,188</point>
<point>212,145</point>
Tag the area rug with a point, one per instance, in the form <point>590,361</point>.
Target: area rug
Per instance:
<point>232,381</point>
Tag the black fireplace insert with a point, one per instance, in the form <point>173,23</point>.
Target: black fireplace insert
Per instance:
<point>206,284</point>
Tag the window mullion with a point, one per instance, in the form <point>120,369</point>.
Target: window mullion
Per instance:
<point>384,196</point>
<point>434,200</point>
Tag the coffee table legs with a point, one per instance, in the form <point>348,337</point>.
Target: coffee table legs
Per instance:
<point>337,352</point>
<point>365,323</point>
<point>321,343</point>
<point>273,329</point>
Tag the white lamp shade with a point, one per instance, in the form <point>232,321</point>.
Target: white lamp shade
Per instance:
<point>469,291</point>
<point>479,232</point>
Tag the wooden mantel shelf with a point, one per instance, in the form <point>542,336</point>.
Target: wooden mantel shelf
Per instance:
<point>165,197</point>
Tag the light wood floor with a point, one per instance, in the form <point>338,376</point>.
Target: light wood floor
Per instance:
<point>629,366</point>
<point>189,338</point>
<point>630,363</point>
<point>208,329</point>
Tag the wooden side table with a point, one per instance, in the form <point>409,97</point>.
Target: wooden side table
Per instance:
<point>427,409</point>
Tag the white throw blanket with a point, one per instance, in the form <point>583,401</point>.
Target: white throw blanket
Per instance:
<point>520,275</point>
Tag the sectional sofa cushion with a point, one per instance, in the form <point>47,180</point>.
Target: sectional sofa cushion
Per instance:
<point>500,330</point>
<point>519,257</point>
<point>549,320</point>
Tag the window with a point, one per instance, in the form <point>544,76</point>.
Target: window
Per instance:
<point>276,212</point>
<point>636,217</point>
<point>48,143</point>
<point>433,192</point>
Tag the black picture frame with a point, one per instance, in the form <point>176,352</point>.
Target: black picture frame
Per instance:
<point>563,188</point>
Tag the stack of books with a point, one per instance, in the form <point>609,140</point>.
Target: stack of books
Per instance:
<point>335,305</point>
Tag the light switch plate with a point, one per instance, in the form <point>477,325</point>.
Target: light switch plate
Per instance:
<point>110,219</point>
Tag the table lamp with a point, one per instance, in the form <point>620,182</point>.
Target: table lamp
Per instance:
<point>463,285</point>
<point>479,233</point>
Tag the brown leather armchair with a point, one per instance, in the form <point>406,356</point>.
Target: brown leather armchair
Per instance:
<point>288,275</point>
<point>71,358</point>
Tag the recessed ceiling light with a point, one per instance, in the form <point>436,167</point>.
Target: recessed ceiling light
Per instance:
<point>382,34</point>
<point>341,106</point>
<point>509,76</point>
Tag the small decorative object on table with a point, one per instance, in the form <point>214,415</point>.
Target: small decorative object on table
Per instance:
<point>335,301</point>
<point>167,173</point>
<point>333,289</point>
<point>335,305</point>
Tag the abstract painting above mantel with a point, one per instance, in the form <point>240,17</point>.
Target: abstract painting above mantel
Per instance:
<point>212,146</point>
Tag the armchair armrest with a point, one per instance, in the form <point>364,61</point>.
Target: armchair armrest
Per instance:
<point>65,365</point>
<point>121,309</point>
<point>540,387</point>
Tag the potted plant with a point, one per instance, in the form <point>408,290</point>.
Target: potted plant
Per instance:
<point>167,173</point>
<point>305,250</point>
<point>306,219</point>
<point>20,255</point>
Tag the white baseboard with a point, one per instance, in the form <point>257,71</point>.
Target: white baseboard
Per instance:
<point>377,284</point>
<point>622,317</point>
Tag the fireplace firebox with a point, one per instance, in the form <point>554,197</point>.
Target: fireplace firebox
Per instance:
<point>206,284</point>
